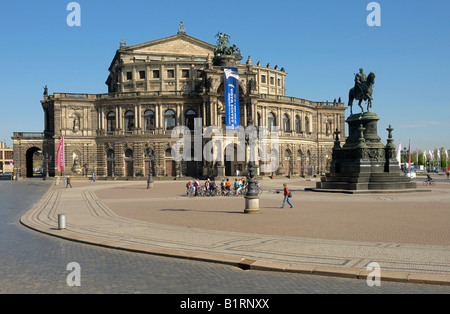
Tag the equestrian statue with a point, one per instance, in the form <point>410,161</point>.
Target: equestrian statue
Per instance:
<point>362,90</point>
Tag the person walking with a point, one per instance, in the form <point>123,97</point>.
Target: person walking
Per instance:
<point>68,182</point>
<point>287,196</point>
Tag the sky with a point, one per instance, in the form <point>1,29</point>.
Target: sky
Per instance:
<point>321,44</point>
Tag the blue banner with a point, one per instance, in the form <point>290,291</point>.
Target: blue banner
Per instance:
<point>231,98</point>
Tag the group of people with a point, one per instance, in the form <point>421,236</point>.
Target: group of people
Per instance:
<point>225,187</point>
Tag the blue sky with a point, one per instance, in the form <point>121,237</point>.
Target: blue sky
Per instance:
<point>321,44</point>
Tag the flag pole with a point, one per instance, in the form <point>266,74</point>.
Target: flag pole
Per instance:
<point>409,158</point>
<point>64,160</point>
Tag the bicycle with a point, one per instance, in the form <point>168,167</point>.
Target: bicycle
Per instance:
<point>245,190</point>
<point>429,182</point>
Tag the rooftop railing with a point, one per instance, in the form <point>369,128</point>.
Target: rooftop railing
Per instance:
<point>281,98</point>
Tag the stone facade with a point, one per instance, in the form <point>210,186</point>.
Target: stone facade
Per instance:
<point>169,82</point>
<point>6,158</point>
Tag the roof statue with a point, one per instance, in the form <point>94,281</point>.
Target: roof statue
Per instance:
<point>181,29</point>
<point>223,46</point>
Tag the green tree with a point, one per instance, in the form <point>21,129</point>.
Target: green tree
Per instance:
<point>421,159</point>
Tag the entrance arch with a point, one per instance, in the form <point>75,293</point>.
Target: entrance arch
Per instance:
<point>34,161</point>
<point>234,160</point>
<point>171,170</point>
<point>129,163</point>
<point>287,162</point>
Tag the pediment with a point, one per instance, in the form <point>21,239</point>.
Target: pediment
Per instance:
<point>175,45</point>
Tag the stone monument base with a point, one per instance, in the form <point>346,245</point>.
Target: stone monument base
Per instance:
<point>363,163</point>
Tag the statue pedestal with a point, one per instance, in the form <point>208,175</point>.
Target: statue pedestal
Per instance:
<point>363,163</point>
<point>221,171</point>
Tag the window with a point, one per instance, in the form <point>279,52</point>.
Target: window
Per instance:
<point>110,155</point>
<point>279,82</point>
<point>129,154</point>
<point>149,120</point>
<point>129,76</point>
<point>258,119</point>
<point>263,79</point>
<point>190,118</point>
<point>169,120</point>
<point>286,123</point>
<point>142,75</point>
<point>271,122</point>
<point>185,73</point>
<point>111,121</point>
<point>307,125</point>
<point>156,74</point>
<point>170,73</point>
<point>272,81</point>
<point>298,125</point>
<point>129,120</point>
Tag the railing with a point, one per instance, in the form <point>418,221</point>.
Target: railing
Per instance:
<point>188,94</point>
<point>122,95</point>
<point>300,100</point>
<point>29,134</point>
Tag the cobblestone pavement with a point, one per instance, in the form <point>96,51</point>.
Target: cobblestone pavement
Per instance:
<point>31,262</point>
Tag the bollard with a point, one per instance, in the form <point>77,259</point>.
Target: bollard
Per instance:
<point>61,221</point>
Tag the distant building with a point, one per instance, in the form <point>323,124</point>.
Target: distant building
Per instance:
<point>157,85</point>
<point>6,158</point>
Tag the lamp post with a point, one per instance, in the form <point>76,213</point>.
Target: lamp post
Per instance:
<point>321,164</point>
<point>47,158</point>
<point>251,197</point>
<point>151,155</point>
<point>93,158</point>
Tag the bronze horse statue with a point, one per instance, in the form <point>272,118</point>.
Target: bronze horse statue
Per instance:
<point>364,92</point>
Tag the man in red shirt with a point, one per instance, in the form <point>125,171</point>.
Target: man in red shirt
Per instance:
<point>287,195</point>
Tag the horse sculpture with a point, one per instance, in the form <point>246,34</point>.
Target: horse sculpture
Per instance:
<point>363,92</point>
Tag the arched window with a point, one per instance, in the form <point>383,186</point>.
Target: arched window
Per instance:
<point>149,120</point>
<point>287,154</point>
<point>129,153</point>
<point>271,122</point>
<point>298,124</point>
<point>111,121</point>
<point>190,118</point>
<point>110,155</point>
<point>110,163</point>
<point>129,163</point>
<point>307,125</point>
<point>129,120</point>
<point>286,123</point>
<point>169,120</point>
<point>168,153</point>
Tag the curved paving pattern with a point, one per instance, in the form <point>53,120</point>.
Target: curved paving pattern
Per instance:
<point>90,220</point>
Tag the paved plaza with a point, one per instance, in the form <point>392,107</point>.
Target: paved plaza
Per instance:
<point>325,234</point>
